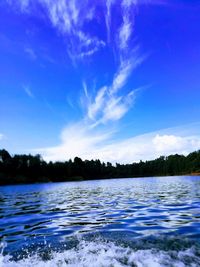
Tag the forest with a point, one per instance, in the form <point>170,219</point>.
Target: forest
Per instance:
<point>22,169</point>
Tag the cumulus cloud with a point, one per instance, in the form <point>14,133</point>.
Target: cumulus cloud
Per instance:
<point>170,143</point>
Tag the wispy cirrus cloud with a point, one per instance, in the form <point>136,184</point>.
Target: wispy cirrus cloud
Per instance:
<point>74,20</point>
<point>31,53</point>
<point>108,107</point>
<point>108,4</point>
<point>108,104</point>
<point>28,91</point>
<point>71,19</point>
<point>127,26</point>
<point>94,135</point>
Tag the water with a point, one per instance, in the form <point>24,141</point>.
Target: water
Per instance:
<point>119,222</point>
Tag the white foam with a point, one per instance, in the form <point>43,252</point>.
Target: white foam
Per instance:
<point>107,254</point>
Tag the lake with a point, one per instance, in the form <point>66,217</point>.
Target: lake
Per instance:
<point>117,222</point>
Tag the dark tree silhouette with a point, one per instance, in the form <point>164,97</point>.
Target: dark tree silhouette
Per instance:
<point>19,169</point>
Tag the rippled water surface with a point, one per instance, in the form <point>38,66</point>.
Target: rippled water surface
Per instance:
<point>121,222</point>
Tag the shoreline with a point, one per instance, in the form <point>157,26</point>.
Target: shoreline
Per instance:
<point>81,179</point>
<point>29,169</point>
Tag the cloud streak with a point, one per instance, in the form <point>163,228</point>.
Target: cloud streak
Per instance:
<point>31,53</point>
<point>92,136</point>
<point>79,140</point>
<point>70,18</point>
<point>28,91</point>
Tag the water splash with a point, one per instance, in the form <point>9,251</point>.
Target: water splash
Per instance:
<point>108,254</point>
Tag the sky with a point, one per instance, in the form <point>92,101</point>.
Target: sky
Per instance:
<point>115,80</point>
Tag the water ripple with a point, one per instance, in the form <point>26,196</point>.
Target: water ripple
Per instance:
<point>144,206</point>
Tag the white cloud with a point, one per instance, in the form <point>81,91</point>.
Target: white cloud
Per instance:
<point>165,143</point>
<point>80,140</point>
<point>108,105</point>
<point>28,91</point>
<point>109,4</point>
<point>69,18</point>
<point>96,106</point>
<point>31,53</point>
<point>87,138</point>
<point>117,107</point>
<point>88,52</point>
<point>23,4</point>
<point>76,140</point>
<point>128,3</point>
<point>121,76</point>
<point>127,27</point>
<point>1,136</point>
<point>70,102</point>
<point>125,33</point>
<point>59,13</point>
<point>115,110</point>
<point>85,88</point>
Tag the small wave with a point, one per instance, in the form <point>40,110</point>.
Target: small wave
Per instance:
<point>108,254</point>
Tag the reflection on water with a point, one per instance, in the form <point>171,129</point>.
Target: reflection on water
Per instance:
<point>135,208</point>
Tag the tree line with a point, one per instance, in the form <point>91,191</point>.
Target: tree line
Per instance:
<point>21,169</point>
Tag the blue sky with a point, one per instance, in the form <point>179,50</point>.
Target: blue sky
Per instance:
<point>112,79</point>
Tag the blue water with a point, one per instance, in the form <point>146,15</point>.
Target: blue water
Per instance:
<point>118,222</point>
